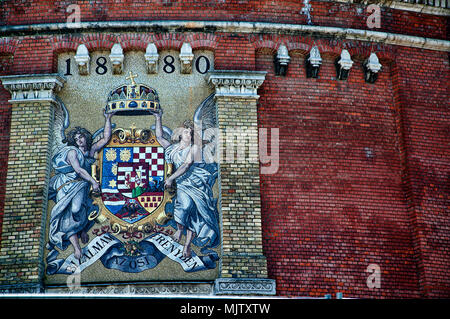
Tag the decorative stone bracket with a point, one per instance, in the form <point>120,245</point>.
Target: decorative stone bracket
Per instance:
<point>151,57</point>
<point>371,68</point>
<point>282,59</point>
<point>343,65</point>
<point>82,59</point>
<point>117,58</point>
<point>186,57</point>
<point>313,62</point>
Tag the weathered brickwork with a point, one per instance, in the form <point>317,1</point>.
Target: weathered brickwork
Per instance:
<point>338,185</point>
<point>425,128</point>
<point>5,116</point>
<point>240,196</point>
<point>345,159</point>
<point>6,61</point>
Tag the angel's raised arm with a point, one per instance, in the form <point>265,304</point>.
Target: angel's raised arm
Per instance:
<point>106,135</point>
<point>159,130</point>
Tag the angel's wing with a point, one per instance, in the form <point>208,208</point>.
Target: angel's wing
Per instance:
<point>205,120</point>
<point>61,122</point>
<point>205,115</point>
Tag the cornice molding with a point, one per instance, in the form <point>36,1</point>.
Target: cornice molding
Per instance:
<point>404,6</point>
<point>232,27</point>
<point>32,88</point>
<point>236,84</point>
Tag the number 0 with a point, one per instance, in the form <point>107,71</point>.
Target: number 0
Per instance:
<point>207,64</point>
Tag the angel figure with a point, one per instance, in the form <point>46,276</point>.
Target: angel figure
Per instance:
<point>72,157</point>
<point>195,209</point>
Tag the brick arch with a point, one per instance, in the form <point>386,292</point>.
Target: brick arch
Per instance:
<point>329,47</point>
<point>267,46</point>
<point>387,55</point>
<point>300,44</point>
<point>8,46</point>
<point>134,41</point>
<point>204,41</point>
<point>363,50</point>
<point>267,42</point>
<point>63,44</point>
<point>167,41</point>
<point>300,47</point>
<point>94,42</point>
<point>7,50</point>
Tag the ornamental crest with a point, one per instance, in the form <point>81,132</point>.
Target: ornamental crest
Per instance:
<point>132,170</point>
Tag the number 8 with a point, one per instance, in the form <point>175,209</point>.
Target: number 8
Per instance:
<point>101,65</point>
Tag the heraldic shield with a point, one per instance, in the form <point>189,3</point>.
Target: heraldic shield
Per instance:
<point>132,170</point>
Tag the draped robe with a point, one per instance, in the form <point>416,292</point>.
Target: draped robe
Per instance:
<point>69,190</point>
<point>195,208</point>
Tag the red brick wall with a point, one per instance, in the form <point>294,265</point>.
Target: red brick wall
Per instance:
<point>333,211</point>
<point>330,211</point>
<point>324,13</point>
<point>6,62</point>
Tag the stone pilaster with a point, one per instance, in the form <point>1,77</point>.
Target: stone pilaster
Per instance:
<point>243,268</point>
<point>22,242</point>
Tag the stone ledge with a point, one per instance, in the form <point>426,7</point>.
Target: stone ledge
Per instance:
<point>157,288</point>
<point>234,27</point>
<point>405,6</point>
<point>31,288</point>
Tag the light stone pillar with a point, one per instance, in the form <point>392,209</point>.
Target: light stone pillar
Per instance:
<point>24,218</point>
<point>243,266</point>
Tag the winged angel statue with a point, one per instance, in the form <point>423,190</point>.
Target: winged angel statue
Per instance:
<point>191,148</point>
<point>71,159</point>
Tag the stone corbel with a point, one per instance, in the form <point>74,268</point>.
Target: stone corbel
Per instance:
<point>371,67</point>
<point>343,65</point>
<point>243,84</point>
<point>282,59</point>
<point>313,62</point>
<point>151,57</point>
<point>82,59</point>
<point>186,57</point>
<point>117,58</point>
<point>32,88</point>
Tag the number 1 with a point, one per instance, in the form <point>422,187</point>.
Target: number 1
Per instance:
<point>68,67</point>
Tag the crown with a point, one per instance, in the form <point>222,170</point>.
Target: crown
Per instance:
<point>132,99</point>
